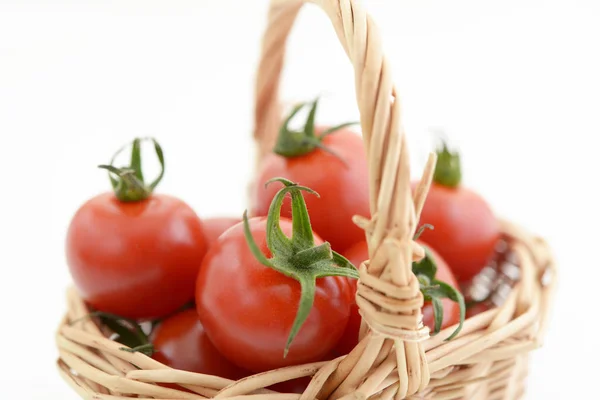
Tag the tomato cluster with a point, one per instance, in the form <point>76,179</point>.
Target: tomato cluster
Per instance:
<point>232,296</point>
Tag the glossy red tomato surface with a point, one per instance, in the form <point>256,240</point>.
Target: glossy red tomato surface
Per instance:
<point>181,343</point>
<point>135,259</point>
<point>248,309</point>
<point>359,253</point>
<point>214,227</point>
<point>349,339</point>
<point>465,229</point>
<point>342,186</point>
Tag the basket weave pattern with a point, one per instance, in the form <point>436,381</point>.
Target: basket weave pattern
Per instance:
<point>396,358</point>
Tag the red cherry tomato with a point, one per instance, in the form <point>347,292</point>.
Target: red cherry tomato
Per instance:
<point>181,343</point>
<point>342,186</point>
<point>248,309</point>
<point>214,227</point>
<point>135,259</point>
<point>465,229</point>
<point>359,253</point>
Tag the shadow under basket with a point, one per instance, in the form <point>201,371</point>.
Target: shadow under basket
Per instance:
<point>395,359</point>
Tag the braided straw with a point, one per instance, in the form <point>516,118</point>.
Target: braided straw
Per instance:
<point>395,358</point>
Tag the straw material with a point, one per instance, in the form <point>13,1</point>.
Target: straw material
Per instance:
<point>396,358</point>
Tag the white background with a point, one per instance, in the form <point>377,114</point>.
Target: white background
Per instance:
<point>516,84</point>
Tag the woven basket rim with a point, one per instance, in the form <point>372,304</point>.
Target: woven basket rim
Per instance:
<point>93,365</point>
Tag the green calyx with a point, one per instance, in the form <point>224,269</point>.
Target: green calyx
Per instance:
<point>297,257</point>
<point>128,182</point>
<point>447,169</point>
<point>435,290</point>
<point>291,143</point>
<point>129,332</point>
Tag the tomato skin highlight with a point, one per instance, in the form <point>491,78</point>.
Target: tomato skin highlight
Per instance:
<point>343,189</point>
<point>359,253</point>
<point>180,342</point>
<point>248,309</point>
<point>135,259</point>
<point>465,232</point>
<point>214,227</point>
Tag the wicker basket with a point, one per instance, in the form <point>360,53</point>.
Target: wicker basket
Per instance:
<point>396,358</point>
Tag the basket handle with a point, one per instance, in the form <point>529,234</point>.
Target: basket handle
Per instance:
<point>388,292</point>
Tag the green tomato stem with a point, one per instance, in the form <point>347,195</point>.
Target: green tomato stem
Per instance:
<point>438,313</point>
<point>313,255</point>
<point>136,159</point>
<point>421,230</point>
<point>308,288</point>
<point>129,332</point>
<point>435,290</point>
<point>297,257</point>
<point>128,187</point>
<point>447,169</point>
<point>291,143</point>
<point>147,349</point>
<point>128,182</point>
